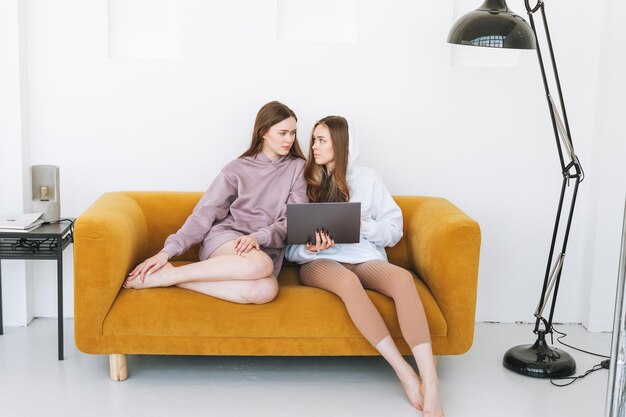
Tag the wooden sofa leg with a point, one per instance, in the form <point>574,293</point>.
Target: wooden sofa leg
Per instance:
<point>117,365</point>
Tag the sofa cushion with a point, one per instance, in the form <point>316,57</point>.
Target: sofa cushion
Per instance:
<point>297,312</point>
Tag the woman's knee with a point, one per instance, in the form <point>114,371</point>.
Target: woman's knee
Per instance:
<point>402,284</point>
<point>261,265</point>
<point>406,278</point>
<point>347,285</point>
<point>261,291</point>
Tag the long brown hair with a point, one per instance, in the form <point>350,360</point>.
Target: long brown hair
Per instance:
<point>324,186</point>
<point>270,114</point>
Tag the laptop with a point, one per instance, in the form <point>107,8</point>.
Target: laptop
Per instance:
<point>341,220</point>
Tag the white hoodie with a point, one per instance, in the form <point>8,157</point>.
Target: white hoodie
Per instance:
<point>381,219</point>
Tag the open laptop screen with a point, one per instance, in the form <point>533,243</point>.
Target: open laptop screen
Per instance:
<point>341,220</point>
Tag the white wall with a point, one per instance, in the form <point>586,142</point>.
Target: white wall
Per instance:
<point>478,136</point>
<point>608,185</point>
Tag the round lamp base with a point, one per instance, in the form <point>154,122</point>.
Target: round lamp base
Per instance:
<point>539,360</point>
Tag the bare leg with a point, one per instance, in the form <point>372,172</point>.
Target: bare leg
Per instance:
<point>404,371</point>
<point>258,287</point>
<point>257,291</point>
<point>222,265</point>
<point>426,364</point>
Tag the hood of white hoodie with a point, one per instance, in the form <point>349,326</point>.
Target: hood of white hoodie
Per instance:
<point>353,152</point>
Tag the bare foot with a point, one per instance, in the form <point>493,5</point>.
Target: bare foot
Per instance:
<point>412,387</point>
<point>150,280</point>
<point>432,407</point>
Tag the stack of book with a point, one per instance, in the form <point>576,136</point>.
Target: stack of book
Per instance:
<point>21,223</point>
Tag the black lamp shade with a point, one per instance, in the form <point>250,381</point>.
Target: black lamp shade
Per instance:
<point>492,25</point>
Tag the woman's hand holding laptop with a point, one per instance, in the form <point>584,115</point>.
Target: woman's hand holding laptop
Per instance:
<point>323,241</point>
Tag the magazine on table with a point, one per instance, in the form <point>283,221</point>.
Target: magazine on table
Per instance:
<point>21,223</point>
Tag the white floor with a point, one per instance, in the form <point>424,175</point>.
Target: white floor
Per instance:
<point>33,383</point>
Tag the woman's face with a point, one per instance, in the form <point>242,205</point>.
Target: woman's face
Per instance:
<point>277,141</point>
<point>322,148</point>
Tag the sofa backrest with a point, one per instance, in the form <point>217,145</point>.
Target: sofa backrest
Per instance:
<point>165,213</point>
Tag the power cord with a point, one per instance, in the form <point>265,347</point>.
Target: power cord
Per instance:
<point>33,246</point>
<point>37,245</point>
<point>575,378</point>
<point>562,335</point>
<point>71,221</point>
<point>67,220</point>
<point>602,365</point>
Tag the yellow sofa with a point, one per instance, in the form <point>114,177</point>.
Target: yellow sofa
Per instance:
<point>440,246</point>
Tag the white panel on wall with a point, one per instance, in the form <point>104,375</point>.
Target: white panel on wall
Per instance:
<point>318,20</point>
<point>144,29</point>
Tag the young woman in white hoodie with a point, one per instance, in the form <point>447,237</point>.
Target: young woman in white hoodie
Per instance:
<point>348,269</point>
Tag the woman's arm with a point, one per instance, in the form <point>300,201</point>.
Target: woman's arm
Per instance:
<point>384,228</point>
<point>213,206</point>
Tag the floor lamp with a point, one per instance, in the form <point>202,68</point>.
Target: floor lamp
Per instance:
<point>494,25</point>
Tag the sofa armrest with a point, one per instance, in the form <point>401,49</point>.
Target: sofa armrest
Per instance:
<point>443,248</point>
<point>110,238</point>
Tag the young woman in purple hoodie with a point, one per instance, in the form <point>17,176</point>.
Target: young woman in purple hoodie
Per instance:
<point>240,223</point>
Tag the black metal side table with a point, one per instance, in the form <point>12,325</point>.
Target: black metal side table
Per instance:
<point>48,241</point>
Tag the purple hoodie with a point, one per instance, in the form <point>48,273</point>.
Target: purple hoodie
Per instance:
<point>249,195</point>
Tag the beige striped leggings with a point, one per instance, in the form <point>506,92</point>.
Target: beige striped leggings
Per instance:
<point>349,281</point>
